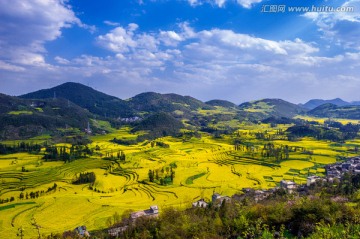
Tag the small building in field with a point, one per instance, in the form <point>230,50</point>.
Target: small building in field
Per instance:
<point>218,199</point>
<point>200,203</point>
<point>311,180</point>
<point>260,195</point>
<point>117,231</point>
<point>289,186</point>
<point>81,231</point>
<point>152,212</point>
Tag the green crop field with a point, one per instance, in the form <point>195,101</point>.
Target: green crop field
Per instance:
<point>202,166</point>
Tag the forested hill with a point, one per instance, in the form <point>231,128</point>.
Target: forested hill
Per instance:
<point>273,107</point>
<point>151,102</point>
<point>73,105</point>
<point>312,104</point>
<point>113,107</point>
<point>23,118</point>
<point>159,125</point>
<point>333,111</point>
<point>86,97</point>
<point>222,103</point>
<point>9,103</point>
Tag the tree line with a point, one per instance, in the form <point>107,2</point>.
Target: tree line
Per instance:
<point>163,176</point>
<point>87,177</point>
<point>19,148</point>
<point>62,153</point>
<point>36,194</point>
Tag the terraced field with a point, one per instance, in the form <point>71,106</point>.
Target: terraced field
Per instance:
<point>201,165</point>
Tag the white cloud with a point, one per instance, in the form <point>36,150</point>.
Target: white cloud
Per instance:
<point>206,63</point>
<point>218,62</point>
<point>25,26</point>
<point>342,28</point>
<point>170,38</point>
<point>9,67</point>
<point>118,40</point>
<point>133,27</point>
<point>248,3</point>
<point>194,2</point>
<point>110,23</point>
<point>61,60</point>
<point>186,30</point>
<point>221,3</point>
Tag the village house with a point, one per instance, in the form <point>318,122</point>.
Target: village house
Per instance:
<point>218,199</point>
<point>152,212</point>
<point>37,104</point>
<point>261,195</point>
<point>289,186</point>
<point>311,180</point>
<point>117,231</point>
<point>200,203</point>
<point>82,232</point>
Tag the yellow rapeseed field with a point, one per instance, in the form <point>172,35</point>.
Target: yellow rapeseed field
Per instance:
<point>202,166</point>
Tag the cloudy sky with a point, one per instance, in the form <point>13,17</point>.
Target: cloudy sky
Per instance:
<point>236,50</point>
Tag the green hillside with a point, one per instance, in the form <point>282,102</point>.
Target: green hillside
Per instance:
<point>333,111</point>
<point>159,125</point>
<point>273,107</point>
<point>222,103</point>
<point>96,102</point>
<point>312,104</point>
<point>22,118</point>
<point>150,102</point>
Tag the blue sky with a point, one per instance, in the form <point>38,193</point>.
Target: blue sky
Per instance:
<point>209,49</point>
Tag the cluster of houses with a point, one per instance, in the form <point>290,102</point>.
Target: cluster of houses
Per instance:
<point>257,195</point>
<point>78,232</point>
<point>216,199</point>
<point>130,119</point>
<point>336,170</point>
<point>37,104</point>
<point>153,211</point>
<point>351,165</point>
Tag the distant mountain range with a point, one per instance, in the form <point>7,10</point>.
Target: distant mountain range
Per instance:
<point>109,106</point>
<point>74,105</point>
<point>312,104</point>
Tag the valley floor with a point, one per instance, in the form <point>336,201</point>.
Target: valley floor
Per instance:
<point>201,167</point>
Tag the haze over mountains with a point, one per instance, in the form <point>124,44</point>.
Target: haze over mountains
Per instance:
<point>74,104</point>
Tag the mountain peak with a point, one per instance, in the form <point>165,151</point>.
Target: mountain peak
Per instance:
<point>312,104</point>
<point>272,107</point>
<point>86,97</point>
